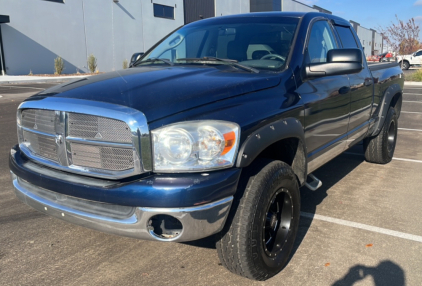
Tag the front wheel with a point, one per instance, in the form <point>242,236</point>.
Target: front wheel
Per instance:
<point>260,232</point>
<point>405,65</point>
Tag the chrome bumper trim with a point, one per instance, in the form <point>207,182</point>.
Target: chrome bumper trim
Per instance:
<point>198,222</point>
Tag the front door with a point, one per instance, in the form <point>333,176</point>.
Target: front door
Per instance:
<point>327,101</point>
<point>417,59</point>
<point>361,95</point>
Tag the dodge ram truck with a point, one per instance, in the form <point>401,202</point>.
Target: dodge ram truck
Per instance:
<point>211,132</point>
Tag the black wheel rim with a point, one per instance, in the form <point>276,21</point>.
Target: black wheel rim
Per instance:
<point>277,221</point>
<point>391,137</point>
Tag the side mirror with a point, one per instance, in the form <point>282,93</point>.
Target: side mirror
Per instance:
<point>135,57</point>
<point>339,62</point>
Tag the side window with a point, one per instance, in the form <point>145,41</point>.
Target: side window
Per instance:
<point>321,40</point>
<point>347,38</point>
<point>418,54</point>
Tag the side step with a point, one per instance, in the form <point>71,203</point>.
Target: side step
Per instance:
<point>315,184</point>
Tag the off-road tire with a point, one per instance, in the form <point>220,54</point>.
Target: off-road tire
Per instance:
<point>380,149</point>
<point>241,246</point>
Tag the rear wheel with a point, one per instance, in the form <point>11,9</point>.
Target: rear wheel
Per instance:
<point>380,149</point>
<point>258,237</point>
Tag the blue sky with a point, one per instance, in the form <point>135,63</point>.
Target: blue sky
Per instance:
<point>372,13</point>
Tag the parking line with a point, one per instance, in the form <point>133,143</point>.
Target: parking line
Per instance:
<point>408,129</point>
<point>21,87</point>
<point>412,93</point>
<point>394,158</point>
<point>412,101</point>
<point>411,112</point>
<point>363,226</point>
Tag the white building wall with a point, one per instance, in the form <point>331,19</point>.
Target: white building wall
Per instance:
<point>378,43</point>
<point>295,6</point>
<point>229,7</point>
<point>365,36</point>
<point>39,31</point>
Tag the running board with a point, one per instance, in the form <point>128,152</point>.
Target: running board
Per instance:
<point>315,184</point>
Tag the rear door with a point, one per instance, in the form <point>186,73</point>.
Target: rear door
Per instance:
<point>327,101</point>
<point>361,90</point>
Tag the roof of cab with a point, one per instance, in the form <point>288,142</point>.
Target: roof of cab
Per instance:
<point>334,18</point>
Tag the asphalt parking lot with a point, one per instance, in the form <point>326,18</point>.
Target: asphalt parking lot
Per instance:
<point>362,227</point>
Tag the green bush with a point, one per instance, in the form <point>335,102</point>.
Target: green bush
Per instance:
<point>58,65</point>
<point>92,63</point>
<point>417,76</point>
<point>125,64</point>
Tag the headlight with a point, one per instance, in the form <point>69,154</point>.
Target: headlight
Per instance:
<point>195,146</point>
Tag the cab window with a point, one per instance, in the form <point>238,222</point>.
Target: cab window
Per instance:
<point>321,40</point>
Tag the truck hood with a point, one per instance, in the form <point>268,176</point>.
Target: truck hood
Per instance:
<point>159,91</point>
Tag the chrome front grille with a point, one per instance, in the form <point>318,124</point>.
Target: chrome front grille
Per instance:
<point>41,145</point>
<point>100,157</point>
<point>98,128</point>
<point>38,119</point>
<point>91,144</point>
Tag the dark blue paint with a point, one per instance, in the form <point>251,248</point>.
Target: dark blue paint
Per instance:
<point>163,191</point>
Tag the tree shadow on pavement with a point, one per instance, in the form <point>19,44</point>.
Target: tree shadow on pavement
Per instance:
<point>385,273</point>
<point>330,174</point>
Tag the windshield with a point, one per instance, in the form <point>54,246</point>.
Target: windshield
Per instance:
<point>258,42</point>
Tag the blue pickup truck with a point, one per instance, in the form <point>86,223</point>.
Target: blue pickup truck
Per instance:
<point>210,132</point>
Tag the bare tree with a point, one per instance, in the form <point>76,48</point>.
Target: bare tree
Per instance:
<point>402,37</point>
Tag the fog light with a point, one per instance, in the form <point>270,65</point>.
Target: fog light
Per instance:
<point>164,227</point>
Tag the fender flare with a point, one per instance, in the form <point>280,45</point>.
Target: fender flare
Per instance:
<point>389,93</point>
<point>271,133</point>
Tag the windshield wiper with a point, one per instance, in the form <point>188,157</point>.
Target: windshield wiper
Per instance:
<point>226,61</point>
<point>153,60</point>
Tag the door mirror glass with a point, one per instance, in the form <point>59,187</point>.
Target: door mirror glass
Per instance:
<point>134,58</point>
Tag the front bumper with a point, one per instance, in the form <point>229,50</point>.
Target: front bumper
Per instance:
<point>197,222</point>
<point>199,203</point>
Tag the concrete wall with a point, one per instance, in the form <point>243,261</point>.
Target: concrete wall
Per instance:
<point>365,36</point>
<point>295,6</point>
<point>39,31</point>
<point>378,43</point>
<point>224,7</point>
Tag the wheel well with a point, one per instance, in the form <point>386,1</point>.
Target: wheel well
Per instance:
<point>396,103</point>
<point>291,151</point>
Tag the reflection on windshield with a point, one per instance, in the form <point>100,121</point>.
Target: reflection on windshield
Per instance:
<point>258,42</point>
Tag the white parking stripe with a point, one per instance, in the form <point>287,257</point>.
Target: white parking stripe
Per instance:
<point>408,129</point>
<point>394,158</point>
<point>363,226</point>
<point>412,93</point>
<point>411,112</point>
<point>408,160</point>
<point>412,101</point>
<point>21,87</point>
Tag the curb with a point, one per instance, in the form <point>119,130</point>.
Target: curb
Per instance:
<point>415,83</point>
<point>41,80</point>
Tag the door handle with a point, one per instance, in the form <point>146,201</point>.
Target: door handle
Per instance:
<point>344,90</point>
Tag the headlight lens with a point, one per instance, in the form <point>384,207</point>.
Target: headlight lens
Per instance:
<point>195,146</point>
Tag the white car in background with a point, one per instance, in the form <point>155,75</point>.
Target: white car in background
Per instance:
<point>410,60</point>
